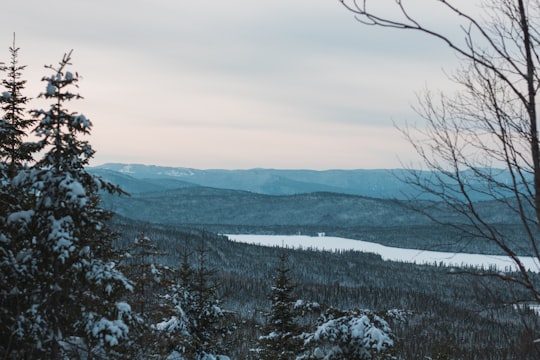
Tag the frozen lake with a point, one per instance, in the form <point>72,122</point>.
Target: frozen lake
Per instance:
<point>330,243</point>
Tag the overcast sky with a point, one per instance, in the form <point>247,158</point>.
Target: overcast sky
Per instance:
<point>232,83</point>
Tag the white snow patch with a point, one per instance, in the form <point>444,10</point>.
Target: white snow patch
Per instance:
<point>74,191</point>
<point>81,120</point>
<point>111,331</point>
<point>179,172</point>
<point>126,170</point>
<point>123,308</point>
<point>20,216</point>
<point>51,89</point>
<point>213,357</point>
<point>173,325</point>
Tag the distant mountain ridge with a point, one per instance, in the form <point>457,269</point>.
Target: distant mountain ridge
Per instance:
<point>206,206</point>
<point>138,178</point>
<point>383,184</point>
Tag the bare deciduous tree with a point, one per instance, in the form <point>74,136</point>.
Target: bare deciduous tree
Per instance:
<point>482,140</point>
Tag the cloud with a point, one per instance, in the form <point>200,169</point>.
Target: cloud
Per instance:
<point>246,83</point>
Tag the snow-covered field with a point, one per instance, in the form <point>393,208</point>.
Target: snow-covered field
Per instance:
<point>330,243</point>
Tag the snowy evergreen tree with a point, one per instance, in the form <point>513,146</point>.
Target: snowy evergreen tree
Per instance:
<point>142,266</point>
<point>150,282</point>
<point>207,310</point>
<point>73,289</point>
<point>281,340</point>
<point>15,153</point>
<point>178,323</point>
<point>185,272</point>
<point>196,324</point>
<point>350,335</point>
<point>15,122</point>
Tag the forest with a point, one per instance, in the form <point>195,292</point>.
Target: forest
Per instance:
<point>446,315</point>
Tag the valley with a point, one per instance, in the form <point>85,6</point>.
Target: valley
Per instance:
<point>452,314</point>
<point>391,222</point>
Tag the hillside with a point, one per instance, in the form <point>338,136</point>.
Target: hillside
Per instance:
<point>373,183</point>
<point>384,184</point>
<point>202,205</point>
<point>459,317</point>
<point>388,222</point>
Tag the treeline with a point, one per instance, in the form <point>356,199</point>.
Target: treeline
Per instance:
<point>450,316</point>
<point>422,237</point>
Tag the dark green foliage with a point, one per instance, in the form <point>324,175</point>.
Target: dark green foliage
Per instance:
<point>72,259</point>
<point>196,324</point>
<point>462,317</point>
<point>280,339</point>
<point>15,122</point>
<point>350,335</point>
<point>141,263</point>
<point>14,154</point>
<point>67,289</point>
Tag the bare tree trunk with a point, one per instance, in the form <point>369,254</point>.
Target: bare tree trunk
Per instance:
<point>531,105</point>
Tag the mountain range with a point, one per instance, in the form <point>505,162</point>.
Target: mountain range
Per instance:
<point>136,178</point>
<point>383,184</point>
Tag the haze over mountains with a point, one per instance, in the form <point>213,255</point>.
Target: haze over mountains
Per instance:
<point>135,178</point>
<point>383,184</point>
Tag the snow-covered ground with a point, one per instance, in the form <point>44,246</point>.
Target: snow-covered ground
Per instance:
<point>330,243</point>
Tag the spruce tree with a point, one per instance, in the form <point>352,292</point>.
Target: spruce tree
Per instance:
<point>281,340</point>
<point>15,122</point>
<point>148,275</point>
<point>195,325</point>
<point>207,329</point>
<point>185,272</point>
<point>15,154</point>
<point>76,304</point>
<point>150,282</point>
<point>356,334</point>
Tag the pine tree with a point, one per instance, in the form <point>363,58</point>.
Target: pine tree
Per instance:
<point>15,153</point>
<point>150,281</point>
<point>148,276</point>
<point>185,273</point>
<point>204,291</point>
<point>195,325</point>
<point>351,335</point>
<point>15,123</point>
<point>76,290</point>
<point>281,340</point>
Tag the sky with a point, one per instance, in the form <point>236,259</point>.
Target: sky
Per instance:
<point>234,84</point>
